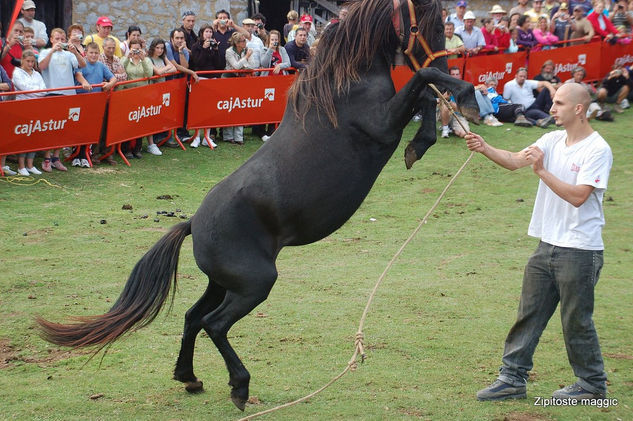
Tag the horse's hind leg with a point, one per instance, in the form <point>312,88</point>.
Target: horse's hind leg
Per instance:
<point>209,301</point>
<point>237,303</point>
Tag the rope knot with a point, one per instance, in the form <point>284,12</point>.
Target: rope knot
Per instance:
<point>359,343</point>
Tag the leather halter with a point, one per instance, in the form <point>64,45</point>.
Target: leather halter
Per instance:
<point>414,34</point>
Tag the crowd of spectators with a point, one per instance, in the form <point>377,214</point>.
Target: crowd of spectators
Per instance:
<point>30,60</point>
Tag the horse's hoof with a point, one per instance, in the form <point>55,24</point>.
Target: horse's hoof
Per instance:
<point>239,397</point>
<point>194,387</point>
<point>239,402</point>
<point>410,156</point>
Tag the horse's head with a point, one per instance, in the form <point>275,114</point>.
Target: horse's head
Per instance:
<point>421,31</point>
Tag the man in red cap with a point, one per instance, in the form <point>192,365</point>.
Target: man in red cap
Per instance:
<point>306,23</point>
<point>104,28</point>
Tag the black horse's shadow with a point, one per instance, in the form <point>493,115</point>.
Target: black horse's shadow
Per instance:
<point>342,123</point>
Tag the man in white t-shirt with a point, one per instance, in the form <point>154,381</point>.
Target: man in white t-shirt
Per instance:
<point>520,91</point>
<point>573,166</point>
<point>29,21</point>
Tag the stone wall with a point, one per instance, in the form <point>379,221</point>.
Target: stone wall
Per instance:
<point>154,17</point>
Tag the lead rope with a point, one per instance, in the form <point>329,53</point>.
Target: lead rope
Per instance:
<point>358,340</point>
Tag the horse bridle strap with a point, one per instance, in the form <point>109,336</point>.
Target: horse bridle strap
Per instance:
<point>414,34</point>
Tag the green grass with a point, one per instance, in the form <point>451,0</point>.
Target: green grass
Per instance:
<point>433,337</point>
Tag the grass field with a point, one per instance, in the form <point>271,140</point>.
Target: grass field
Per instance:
<point>433,337</point>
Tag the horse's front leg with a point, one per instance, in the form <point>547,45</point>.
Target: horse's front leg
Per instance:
<point>426,135</point>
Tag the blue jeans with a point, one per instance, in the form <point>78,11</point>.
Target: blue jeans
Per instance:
<point>484,103</point>
<point>551,275</point>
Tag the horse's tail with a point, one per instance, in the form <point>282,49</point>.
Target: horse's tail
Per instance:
<point>144,294</point>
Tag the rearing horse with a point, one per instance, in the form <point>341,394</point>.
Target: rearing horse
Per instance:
<point>342,123</point>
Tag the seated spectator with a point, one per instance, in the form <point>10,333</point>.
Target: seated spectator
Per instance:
<point>305,23</point>
<point>12,49</point>
<point>238,57</point>
<point>133,34</point>
<point>137,66</point>
<point>502,34</point>
<point>487,29</point>
<point>5,86</point>
<point>298,50</point>
<point>547,74</point>
<point>594,109</point>
<point>452,121</point>
<point>503,110</point>
<point>519,91</point>
<point>602,25</point>
<point>205,56</point>
<point>486,109</point>
<point>104,29</point>
<point>26,78</point>
<point>95,73</point>
<point>560,25</point>
<point>526,38</point>
<point>471,35</point>
<point>274,56</point>
<point>580,26</point>
<point>537,11</point>
<point>75,34</point>
<point>453,44</point>
<point>621,18</point>
<point>292,17</point>
<point>545,38</point>
<point>60,68</point>
<point>497,13</point>
<point>614,89</point>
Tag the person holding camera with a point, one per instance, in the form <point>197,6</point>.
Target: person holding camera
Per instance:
<point>621,19</point>
<point>29,21</point>
<point>12,48</point>
<point>560,24</point>
<point>614,89</point>
<point>75,35</point>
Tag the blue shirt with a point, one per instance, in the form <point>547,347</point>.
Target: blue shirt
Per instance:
<point>95,73</point>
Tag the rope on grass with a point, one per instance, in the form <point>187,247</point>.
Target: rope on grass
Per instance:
<point>19,180</point>
<point>359,348</point>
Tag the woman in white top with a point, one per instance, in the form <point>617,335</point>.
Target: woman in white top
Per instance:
<point>25,78</point>
<point>238,57</point>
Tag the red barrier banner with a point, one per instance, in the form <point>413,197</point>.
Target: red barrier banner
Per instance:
<point>51,122</point>
<point>144,110</point>
<point>238,101</point>
<point>615,54</point>
<point>566,59</point>
<point>500,66</point>
<point>402,74</point>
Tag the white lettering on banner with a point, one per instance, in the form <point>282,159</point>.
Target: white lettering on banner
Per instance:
<point>35,126</point>
<point>497,75</point>
<point>143,112</point>
<point>563,68</point>
<point>242,103</point>
<point>621,61</point>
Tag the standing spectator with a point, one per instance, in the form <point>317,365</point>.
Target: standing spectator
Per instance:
<point>133,34</point>
<point>537,11</point>
<point>520,8</point>
<point>161,66</point>
<point>451,122</point>
<point>487,30</point>
<point>567,218</point>
<point>580,26</point>
<point>561,23</point>
<point>586,5</point>
<point>223,29</point>
<point>188,22</point>
<point>453,44</point>
<point>6,85</point>
<point>621,19</point>
<point>601,24</point>
<point>104,29</point>
<point>29,21</point>
<point>520,91</point>
<point>614,89</point>
<point>274,56</point>
<point>471,35</point>
<point>178,54</point>
<point>238,57</point>
<point>205,56</point>
<point>526,37</point>
<point>550,6</point>
<point>12,49</point>
<point>292,17</point>
<point>75,34</point>
<point>298,50</point>
<point>497,12</point>
<point>253,41</point>
<point>305,23</point>
<point>542,34</point>
<point>502,34</point>
<point>29,41</point>
<point>26,78</point>
<point>95,73</point>
<point>458,17</point>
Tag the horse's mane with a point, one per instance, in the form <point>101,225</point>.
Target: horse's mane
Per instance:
<point>347,48</point>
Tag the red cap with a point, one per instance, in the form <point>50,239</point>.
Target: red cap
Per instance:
<point>104,21</point>
<point>306,18</point>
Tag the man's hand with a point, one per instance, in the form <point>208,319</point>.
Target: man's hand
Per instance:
<point>535,156</point>
<point>475,143</point>
<point>108,85</point>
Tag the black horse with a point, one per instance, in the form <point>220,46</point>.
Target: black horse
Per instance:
<point>342,124</point>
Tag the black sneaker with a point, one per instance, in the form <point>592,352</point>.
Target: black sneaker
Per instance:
<point>501,390</point>
<point>575,391</point>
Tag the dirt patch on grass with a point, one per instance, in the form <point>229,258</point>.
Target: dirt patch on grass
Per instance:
<point>524,416</point>
<point>102,170</point>
<point>9,355</point>
<point>619,356</point>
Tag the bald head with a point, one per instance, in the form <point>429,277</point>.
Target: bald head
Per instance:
<point>575,93</point>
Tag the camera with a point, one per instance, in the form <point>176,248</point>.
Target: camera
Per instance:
<point>222,21</point>
<point>64,45</point>
<point>80,37</point>
<point>21,39</point>
<point>136,51</point>
<point>213,43</point>
<point>276,44</point>
<point>260,25</point>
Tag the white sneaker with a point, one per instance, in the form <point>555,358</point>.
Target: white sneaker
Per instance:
<point>195,142</point>
<point>625,103</point>
<point>213,144</point>
<point>8,171</point>
<point>446,131</point>
<point>34,170</point>
<point>204,142</point>
<point>265,138</point>
<point>495,121</point>
<point>85,163</point>
<point>76,162</point>
<point>153,149</point>
<point>24,172</point>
